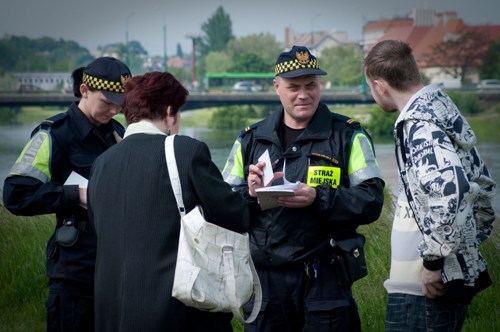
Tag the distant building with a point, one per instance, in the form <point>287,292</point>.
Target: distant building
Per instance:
<point>317,41</point>
<point>178,62</point>
<point>43,82</point>
<point>422,29</point>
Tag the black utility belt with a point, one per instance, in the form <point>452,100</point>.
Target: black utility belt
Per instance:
<point>347,257</point>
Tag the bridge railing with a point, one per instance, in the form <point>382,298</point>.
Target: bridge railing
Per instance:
<point>194,101</point>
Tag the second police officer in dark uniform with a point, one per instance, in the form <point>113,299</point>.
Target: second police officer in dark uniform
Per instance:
<point>66,144</point>
<point>341,188</point>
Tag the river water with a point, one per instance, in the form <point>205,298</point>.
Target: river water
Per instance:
<point>14,137</point>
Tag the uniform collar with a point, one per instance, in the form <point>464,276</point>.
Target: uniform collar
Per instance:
<point>84,127</point>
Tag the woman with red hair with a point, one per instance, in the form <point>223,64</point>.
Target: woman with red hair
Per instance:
<point>134,212</point>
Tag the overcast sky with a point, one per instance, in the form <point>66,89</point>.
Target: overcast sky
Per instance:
<point>94,23</point>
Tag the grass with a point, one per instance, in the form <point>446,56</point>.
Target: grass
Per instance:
<point>22,271</point>
<point>23,239</point>
<point>486,127</point>
<point>22,275</point>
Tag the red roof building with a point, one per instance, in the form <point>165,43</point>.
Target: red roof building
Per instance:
<point>423,29</point>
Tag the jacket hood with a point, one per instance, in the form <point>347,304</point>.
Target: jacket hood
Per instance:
<point>433,105</point>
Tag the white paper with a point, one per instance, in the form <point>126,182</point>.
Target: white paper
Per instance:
<point>76,179</point>
<point>282,188</point>
<point>268,196</point>
<point>268,169</point>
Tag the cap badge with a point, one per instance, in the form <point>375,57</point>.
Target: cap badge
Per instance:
<point>302,56</point>
<point>124,79</point>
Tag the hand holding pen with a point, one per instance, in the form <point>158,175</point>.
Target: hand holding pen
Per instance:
<point>255,176</point>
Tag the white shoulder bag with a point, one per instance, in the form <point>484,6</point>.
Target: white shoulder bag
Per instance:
<point>214,270</point>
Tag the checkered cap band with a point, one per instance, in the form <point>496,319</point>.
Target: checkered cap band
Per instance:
<point>100,84</point>
<point>291,65</point>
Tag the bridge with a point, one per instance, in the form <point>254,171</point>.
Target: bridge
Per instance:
<point>206,100</point>
<point>194,101</point>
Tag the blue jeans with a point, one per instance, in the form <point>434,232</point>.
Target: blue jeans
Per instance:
<point>411,313</point>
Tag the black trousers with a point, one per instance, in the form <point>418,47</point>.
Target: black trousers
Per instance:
<point>294,300</point>
<point>70,306</point>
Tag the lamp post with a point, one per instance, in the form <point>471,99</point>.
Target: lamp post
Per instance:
<point>362,47</point>
<point>126,39</point>
<point>165,66</point>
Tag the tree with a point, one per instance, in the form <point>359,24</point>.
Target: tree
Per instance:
<point>179,52</point>
<point>21,54</point>
<point>263,45</point>
<point>217,32</point>
<point>491,61</point>
<point>217,62</point>
<point>458,55</point>
<point>343,64</point>
<point>250,63</point>
<point>182,74</point>
<point>136,57</point>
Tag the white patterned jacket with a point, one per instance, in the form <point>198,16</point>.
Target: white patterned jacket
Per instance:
<point>447,184</point>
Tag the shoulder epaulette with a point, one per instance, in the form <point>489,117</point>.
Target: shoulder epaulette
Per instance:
<point>347,120</point>
<point>249,128</point>
<point>53,119</point>
<point>343,118</point>
<point>48,123</point>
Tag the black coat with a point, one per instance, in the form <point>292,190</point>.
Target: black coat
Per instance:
<point>284,236</point>
<point>133,210</point>
<point>73,144</point>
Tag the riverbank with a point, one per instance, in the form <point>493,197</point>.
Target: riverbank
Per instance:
<point>485,124</point>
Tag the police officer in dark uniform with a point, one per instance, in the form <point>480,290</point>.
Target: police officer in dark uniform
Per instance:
<point>61,149</point>
<point>341,187</point>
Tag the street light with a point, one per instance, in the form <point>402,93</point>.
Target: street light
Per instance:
<point>165,66</point>
<point>126,39</point>
<point>362,47</point>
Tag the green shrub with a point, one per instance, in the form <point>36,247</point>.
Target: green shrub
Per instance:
<point>381,124</point>
<point>467,103</point>
<point>230,117</point>
<point>9,115</point>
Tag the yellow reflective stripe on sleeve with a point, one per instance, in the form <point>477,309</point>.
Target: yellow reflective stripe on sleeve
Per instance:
<point>233,170</point>
<point>362,162</point>
<point>34,160</point>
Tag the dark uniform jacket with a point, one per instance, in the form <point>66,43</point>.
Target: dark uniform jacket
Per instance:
<point>138,237</point>
<point>65,143</point>
<point>283,236</point>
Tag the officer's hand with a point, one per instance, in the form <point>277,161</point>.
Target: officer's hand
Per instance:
<point>432,284</point>
<point>304,196</point>
<point>254,179</point>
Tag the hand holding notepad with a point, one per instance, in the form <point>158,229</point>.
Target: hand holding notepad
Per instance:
<point>267,196</point>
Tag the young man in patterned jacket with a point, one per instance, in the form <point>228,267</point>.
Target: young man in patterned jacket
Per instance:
<point>444,209</point>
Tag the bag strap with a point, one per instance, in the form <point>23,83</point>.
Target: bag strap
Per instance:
<point>227,254</point>
<point>231,284</point>
<point>174,173</point>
